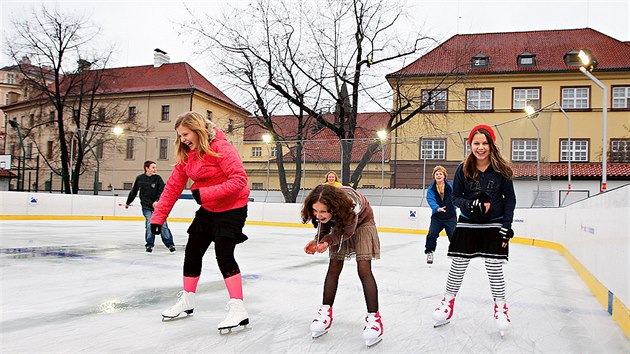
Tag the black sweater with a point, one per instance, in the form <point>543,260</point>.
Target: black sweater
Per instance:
<point>150,187</point>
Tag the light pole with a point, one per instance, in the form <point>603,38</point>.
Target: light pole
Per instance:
<point>382,136</point>
<point>587,62</point>
<point>267,138</point>
<point>16,125</point>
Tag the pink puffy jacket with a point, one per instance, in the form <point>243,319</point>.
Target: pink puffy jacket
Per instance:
<point>222,181</point>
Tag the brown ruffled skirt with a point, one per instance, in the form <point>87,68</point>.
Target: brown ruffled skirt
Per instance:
<point>364,245</point>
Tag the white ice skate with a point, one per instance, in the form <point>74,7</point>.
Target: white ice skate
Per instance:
<point>442,315</point>
<point>185,303</point>
<point>501,316</point>
<point>373,330</point>
<point>237,317</point>
<point>322,321</point>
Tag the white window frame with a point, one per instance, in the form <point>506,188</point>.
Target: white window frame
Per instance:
<point>433,149</point>
<point>475,100</point>
<point>274,151</point>
<point>524,150</point>
<point>579,150</point>
<point>256,151</point>
<point>523,97</point>
<point>620,146</point>
<point>258,186</point>
<point>576,97</point>
<point>621,97</point>
<point>166,113</point>
<point>440,99</point>
<point>10,79</point>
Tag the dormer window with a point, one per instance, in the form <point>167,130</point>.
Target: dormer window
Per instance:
<point>526,60</point>
<point>480,61</point>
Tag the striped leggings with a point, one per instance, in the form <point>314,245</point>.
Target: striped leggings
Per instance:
<point>494,267</point>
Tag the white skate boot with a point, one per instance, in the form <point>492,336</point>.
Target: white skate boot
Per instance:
<point>322,321</point>
<point>237,316</point>
<point>185,303</point>
<point>501,316</point>
<point>442,315</point>
<point>373,330</point>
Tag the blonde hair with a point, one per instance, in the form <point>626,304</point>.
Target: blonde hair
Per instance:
<point>334,174</point>
<point>201,126</point>
<point>441,169</point>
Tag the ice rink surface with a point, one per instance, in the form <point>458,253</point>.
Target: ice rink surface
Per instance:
<point>89,287</point>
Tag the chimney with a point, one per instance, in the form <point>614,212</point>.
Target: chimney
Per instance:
<point>160,57</point>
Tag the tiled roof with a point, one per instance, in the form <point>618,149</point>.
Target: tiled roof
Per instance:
<point>147,78</point>
<point>7,173</point>
<point>324,146</point>
<point>504,48</point>
<point>577,169</point>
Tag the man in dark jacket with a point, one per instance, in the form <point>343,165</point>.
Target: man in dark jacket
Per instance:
<point>151,186</point>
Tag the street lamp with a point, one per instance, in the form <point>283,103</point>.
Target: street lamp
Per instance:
<point>16,125</point>
<point>267,139</point>
<point>382,136</point>
<point>587,63</point>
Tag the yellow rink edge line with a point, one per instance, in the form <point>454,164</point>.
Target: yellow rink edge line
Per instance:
<point>615,307</point>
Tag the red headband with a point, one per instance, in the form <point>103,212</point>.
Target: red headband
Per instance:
<point>481,126</point>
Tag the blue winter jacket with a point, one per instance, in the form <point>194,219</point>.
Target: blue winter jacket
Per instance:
<point>435,201</point>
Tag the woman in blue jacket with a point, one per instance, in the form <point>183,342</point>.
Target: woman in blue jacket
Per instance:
<point>443,216</point>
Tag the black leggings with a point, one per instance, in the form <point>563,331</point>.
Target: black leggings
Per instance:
<point>364,268</point>
<point>198,245</point>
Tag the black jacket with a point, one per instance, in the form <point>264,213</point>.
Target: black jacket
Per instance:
<point>150,187</point>
<point>499,189</point>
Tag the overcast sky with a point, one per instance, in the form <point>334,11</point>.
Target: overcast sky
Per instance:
<point>136,28</point>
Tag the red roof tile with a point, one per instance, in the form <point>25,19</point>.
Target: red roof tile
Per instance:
<point>577,169</point>
<point>504,48</point>
<point>7,173</point>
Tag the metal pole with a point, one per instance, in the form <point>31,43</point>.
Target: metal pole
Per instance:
<point>604,123</point>
<point>382,171</point>
<point>568,142</point>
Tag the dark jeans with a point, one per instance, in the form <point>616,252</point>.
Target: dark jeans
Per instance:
<point>167,237</point>
<point>437,225</point>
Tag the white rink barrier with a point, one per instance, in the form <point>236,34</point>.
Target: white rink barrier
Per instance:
<point>593,234</point>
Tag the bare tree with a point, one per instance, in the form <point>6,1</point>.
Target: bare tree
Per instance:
<point>63,75</point>
<point>320,56</point>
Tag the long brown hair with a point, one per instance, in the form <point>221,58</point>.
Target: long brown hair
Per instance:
<point>200,126</point>
<point>496,160</point>
<point>338,202</point>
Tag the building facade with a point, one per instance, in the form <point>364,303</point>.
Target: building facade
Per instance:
<point>144,101</point>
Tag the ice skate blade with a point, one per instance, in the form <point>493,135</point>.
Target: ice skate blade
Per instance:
<point>187,313</point>
<point>318,334</point>
<point>242,326</point>
<point>502,333</point>
<point>440,323</point>
<point>372,342</point>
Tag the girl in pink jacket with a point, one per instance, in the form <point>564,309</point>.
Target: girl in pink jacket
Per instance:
<point>220,187</point>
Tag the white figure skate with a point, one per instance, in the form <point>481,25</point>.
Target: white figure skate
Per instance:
<point>501,316</point>
<point>442,315</point>
<point>237,317</point>
<point>322,321</point>
<point>185,303</point>
<point>373,330</point>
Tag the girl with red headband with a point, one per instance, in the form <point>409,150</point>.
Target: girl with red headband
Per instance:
<point>484,193</point>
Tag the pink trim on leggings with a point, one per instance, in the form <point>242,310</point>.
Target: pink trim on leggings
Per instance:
<point>190,284</point>
<point>234,285</point>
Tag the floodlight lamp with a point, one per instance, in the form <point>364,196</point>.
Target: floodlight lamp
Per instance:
<point>382,134</point>
<point>530,110</point>
<point>267,138</point>
<point>14,123</point>
<point>117,130</point>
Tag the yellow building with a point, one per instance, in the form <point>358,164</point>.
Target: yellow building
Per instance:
<point>144,101</point>
<point>490,78</point>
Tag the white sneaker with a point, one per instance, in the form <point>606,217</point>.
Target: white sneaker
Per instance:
<point>501,316</point>
<point>322,321</point>
<point>442,315</point>
<point>185,303</point>
<point>373,330</point>
<point>237,316</point>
